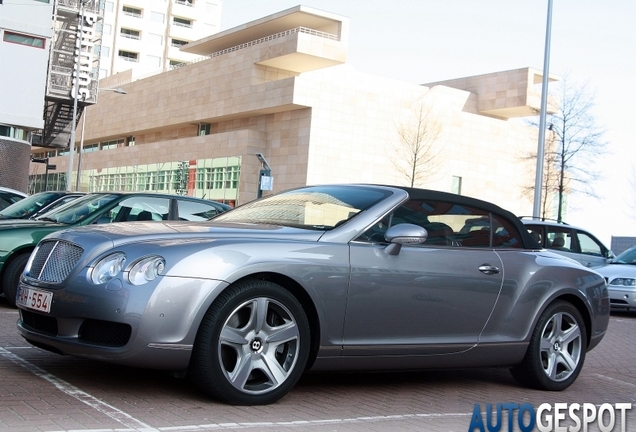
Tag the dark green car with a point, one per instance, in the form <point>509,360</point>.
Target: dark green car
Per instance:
<point>18,238</point>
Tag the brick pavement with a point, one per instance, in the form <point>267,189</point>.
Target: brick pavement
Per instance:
<point>41,391</point>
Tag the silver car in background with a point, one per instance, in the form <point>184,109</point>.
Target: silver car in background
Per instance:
<point>620,274</point>
<point>320,278</point>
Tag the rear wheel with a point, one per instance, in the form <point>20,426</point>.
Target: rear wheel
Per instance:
<point>557,348</point>
<point>12,277</point>
<point>252,346</point>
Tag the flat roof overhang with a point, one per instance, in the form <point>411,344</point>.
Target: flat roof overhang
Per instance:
<point>298,16</point>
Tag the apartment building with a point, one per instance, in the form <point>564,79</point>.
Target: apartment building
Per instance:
<point>278,93</point>
<point>25,37</point>
<point>146,35</point>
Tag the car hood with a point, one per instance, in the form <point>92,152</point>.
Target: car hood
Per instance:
<point>25,223</point>
<point>617,270</point>
<point>132,232</point>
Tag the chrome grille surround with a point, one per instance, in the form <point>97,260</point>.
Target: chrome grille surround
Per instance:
<point>53,261</point>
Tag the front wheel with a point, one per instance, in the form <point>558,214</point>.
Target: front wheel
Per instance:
<point>556,351</point>
<point>12,277</point>
<point>252,345</point>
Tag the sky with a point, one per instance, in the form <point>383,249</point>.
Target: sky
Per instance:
<point>422,41</point>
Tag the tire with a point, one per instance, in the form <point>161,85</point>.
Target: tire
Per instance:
<point>252,345</point>
<point>556,352</point>
<point>11,277</point>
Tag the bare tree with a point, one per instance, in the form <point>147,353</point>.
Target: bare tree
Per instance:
<point>569,165</point>
<point>416,156</point>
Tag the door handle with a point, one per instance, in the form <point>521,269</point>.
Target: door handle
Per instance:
<point>488,269</point>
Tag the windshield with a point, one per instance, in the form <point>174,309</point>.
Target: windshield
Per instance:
<point>627,257</point>
<point>78,209</point>
<point>318,207</point>
<point>28,206</point>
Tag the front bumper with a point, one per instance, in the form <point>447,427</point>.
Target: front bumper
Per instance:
<point>622,297</point>
<point>150,326</point>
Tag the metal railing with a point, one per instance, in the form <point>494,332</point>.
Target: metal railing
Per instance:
<point>277,36</point>
<point>180,24</point>
<point>130,36</point>
<point>132,14</point>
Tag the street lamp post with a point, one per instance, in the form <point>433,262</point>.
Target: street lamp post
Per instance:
<point>538,181</point>
<point>81,146</point>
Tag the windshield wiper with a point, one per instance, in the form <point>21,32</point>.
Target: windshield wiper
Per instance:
<point>48,219</point>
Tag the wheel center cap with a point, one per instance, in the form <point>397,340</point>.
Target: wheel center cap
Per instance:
<point>256,345</point>
<point>557,346</point>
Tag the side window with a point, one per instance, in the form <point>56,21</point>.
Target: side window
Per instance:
<point>559,239</point>
<point>141,208</point>
<point>196,211</point>
<point>448,224</point>
<point>589,245</point>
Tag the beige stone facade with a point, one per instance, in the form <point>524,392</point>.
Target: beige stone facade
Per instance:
<point>280,86</point>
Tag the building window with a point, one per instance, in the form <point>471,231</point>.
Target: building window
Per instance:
<point>182,22</point>
<point>157,17</point>
<point>108,29</point>
<point>128,56</point>
<point>13,132</point>
<point>23,39</point>
<point>185,2</point>
<point>104,51</point>
<point>131,11</point>
<point>177,43</point>
<point>130,141</point>
<point>107,145</point>
<point>88,148</point>
<point>155,39</point>
<point>130,34</point>
<point>109,6</point>
<point>456,187</point>
<point>204,128</point>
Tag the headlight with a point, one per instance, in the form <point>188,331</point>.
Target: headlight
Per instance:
<point>146,269</point>
<point>624,282</point>
<point>107,268</point>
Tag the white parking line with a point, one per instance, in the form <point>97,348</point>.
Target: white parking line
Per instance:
<point>308,422</point>
<point>101,406</point>
<point>605,377</point>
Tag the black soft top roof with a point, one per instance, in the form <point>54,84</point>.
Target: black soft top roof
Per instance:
<point>526,238</point>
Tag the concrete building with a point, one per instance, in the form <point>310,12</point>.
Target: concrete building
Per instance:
<point>25,37</point>
<point>281,87</point>
<point>145,35</point>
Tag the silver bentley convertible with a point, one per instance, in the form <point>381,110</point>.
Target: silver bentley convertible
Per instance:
<point>320,278</point>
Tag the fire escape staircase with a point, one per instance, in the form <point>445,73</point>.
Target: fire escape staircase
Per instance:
<point>58,109</point>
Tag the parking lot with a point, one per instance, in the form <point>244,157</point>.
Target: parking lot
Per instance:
<point>41,391</point>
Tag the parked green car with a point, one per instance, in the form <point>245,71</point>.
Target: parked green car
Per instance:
<point>18,238</point>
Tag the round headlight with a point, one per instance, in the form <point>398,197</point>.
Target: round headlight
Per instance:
<point>146,269</point>
<point>107,268</point>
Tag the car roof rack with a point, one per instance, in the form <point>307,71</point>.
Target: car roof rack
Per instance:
<point>542,219</point>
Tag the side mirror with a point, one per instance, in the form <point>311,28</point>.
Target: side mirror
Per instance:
<point>402,234</point>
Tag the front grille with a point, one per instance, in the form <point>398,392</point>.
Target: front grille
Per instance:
<point>104,333</point>
<point>39,323</point>
<point>53,261</point>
